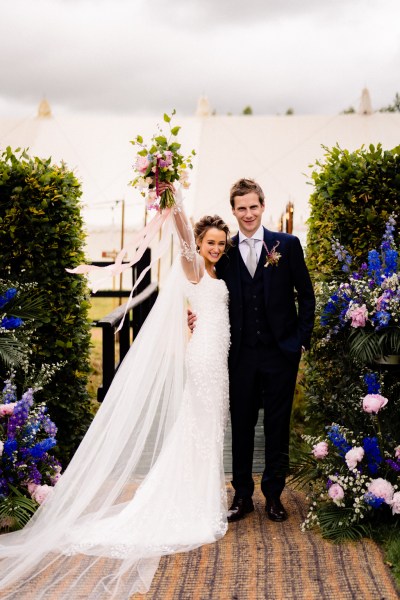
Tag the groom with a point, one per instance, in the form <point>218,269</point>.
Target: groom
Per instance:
<point>266,277</point>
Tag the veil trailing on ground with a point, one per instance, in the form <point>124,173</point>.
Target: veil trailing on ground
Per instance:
<point>75,546</point>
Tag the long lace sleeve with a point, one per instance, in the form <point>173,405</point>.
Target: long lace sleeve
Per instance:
<point>192,262</point>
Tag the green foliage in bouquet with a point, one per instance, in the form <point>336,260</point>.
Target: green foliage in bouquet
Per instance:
<point>41,234</point>
<point>161,162</point>
<point>354,194</point>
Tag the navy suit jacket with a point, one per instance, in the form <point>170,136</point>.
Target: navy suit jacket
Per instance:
<point>288,295</point>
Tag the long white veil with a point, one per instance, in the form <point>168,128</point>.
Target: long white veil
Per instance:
<point>66,550</point>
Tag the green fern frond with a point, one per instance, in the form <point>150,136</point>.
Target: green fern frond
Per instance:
<point>16,510</point>
<point>336,524</point>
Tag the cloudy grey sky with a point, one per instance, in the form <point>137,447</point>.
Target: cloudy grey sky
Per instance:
<point>148,56</point>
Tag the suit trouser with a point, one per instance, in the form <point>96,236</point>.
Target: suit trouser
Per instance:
<point>263,376</point>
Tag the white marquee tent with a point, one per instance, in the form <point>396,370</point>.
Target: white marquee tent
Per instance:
<point>275,150</point>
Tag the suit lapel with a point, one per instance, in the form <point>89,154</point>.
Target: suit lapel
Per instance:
<point>269,241</point>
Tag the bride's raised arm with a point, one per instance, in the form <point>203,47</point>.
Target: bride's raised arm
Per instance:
<point>192,262</point>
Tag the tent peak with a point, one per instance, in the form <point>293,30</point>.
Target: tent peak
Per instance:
<point>44,109</point>
<point>203,107</point>
<point>365,103</point>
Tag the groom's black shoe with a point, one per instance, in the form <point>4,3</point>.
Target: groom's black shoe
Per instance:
<point>275,510</point>
<point>239,509</point>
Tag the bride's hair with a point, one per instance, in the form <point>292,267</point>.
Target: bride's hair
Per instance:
<point>210,222</point>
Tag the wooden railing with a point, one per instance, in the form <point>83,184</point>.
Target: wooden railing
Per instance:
<point>136,310</point>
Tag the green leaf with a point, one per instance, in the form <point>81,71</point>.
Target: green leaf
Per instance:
<point>162,140</point>
<point>139,139</point>
<point>175,130</point>
<point>167,119</point>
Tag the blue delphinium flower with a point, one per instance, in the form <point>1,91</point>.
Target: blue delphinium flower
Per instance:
<point>7,296</point>
<point>391,257</point>
<point>372,382</point>
<point>9,391</point>
<point>341,254</point>
<point>11,322</point>
<point>39,449</point>
<point>372,500</point>
<point>388,238</point>
<point>338,440</point>
<point>372,454</point>
<point>10,446</point>
<point>381,319</point>
<point>374,266</point>
<point>49,427</point>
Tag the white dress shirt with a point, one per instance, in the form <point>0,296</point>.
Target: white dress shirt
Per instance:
<point>244,248</point>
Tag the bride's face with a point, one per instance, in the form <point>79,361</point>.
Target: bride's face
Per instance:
<point>213,245</point>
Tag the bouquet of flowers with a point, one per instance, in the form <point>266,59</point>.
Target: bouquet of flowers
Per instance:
<point>368,304</point>
<point>161,163</point>
<point>351,477</point>
<point>28,471</point>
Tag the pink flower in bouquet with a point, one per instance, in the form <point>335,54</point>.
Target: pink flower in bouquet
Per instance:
<point>372,403</point>
<point>7,409</point>
<point>167,160</point>
<point>41,493</point>
<point>142,164</point>
<point>336,492</point>
<point>358,316</point>
<point>397,452</point>
<point>381,488</point>
<point>395,503</point>
<point>354,456</point>
<point>320,450</point>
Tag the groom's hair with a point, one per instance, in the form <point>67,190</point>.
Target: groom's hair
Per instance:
<point>245,186</point>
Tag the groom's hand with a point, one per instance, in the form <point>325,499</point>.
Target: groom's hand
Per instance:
<point>191,320</point>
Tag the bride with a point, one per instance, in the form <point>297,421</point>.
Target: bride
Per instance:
<point>147,479</point>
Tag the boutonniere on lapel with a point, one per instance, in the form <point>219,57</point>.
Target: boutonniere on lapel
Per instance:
<point>272,255</point>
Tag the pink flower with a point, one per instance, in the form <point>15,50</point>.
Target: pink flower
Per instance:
<point>7,409</point>
<point>167,161</point>
<point>372,403</point>
<point>320,450</point>
<point>395,503</point>
<point>397,452</point>
<point>142,163</point>
<point>354,456</point>
<point>336,492</point>
<point>31,487</point>
<point>381,489</point>
<point>41,493</point>
<point>358,316</point>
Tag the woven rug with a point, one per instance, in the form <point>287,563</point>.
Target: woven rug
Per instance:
<point>262,560</point>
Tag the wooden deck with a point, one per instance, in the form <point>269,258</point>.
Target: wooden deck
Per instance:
<point>258,460</point>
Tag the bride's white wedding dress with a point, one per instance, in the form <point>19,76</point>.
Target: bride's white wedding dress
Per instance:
<point>148,477</point>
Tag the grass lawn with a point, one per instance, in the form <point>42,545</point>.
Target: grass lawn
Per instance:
<point>100,307</point>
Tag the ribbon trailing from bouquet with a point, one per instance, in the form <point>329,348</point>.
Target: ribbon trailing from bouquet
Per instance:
<point>136,248</point>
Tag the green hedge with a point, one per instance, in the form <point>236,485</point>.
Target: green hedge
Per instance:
<point>354,193</point>
<point>41,233</point>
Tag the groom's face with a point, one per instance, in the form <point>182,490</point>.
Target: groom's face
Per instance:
<point>248,211</point>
